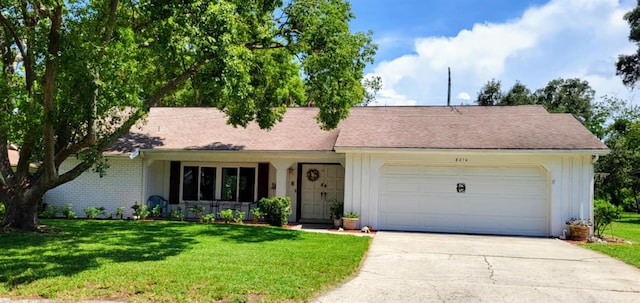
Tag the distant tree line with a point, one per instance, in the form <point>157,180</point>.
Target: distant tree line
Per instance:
<point>616,122</point>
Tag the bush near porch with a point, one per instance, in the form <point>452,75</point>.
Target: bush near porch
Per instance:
<point>163,261</point>
<point>627,228</point>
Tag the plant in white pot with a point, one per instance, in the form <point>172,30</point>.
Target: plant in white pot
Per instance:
<point>350,220</point>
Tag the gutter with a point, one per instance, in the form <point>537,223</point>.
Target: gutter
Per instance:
<point>412,150</point>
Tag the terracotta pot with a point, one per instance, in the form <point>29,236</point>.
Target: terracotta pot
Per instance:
<point>350,223</point>
<point>579,233</point>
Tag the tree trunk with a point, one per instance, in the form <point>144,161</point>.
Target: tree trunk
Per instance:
<point>21,213</point>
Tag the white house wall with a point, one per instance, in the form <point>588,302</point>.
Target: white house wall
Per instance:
<point>570,179</point>
<point>121,186</point>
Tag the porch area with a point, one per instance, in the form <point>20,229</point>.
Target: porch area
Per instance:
<point>217,181</point>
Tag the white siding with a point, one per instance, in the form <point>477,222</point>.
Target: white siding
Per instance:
<point>122,186</point>
<point>570,178</point>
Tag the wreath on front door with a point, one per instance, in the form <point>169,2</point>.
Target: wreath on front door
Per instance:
<point>313,175</point>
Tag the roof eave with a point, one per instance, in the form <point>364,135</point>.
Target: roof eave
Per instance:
<point>586,151</point>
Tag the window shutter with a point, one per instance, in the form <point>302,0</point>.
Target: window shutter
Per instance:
<point>263,180</point>
<point>174,183</point>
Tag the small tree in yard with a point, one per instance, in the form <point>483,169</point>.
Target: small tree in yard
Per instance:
<point>75,76</point>
<point>603,214</point>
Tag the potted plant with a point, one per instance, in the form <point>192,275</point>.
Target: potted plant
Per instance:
<point>350,220</point>
<point>579,229</point>
<point>337,209</point>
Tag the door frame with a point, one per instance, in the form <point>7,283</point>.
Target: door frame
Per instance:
<point>299,185</point>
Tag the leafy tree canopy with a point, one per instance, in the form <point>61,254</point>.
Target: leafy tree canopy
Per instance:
<point>77,74</point>
<point>490,93</point>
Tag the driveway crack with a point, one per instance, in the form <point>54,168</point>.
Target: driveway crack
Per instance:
<point>490,268</point>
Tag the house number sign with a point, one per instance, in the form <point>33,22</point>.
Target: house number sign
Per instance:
<point>461,187</point>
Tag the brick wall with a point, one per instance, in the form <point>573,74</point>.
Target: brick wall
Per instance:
<point>122,185</point>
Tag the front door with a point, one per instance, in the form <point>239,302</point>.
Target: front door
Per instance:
<point>321,184</point>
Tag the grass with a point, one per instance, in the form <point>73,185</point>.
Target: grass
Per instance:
<point>174,262</point>
<point>628,228</point>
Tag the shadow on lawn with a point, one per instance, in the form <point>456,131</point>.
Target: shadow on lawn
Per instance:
<point>80,245</point>
<point>251,234</point>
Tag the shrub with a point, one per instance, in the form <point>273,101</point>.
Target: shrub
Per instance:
<point>256,214</point>
<point>276,210</point>
<point>49,212</point>
<point>92,212</point>
<point>120,211</point>
<point>197,210</point>
<point>336,209</point>
<point>209,218</point>
<point>143,212</point>
<point>603,214</point>
<point>68,212</point>
<point>239,216</point>
<point>156,211</point>
<point>177,214</point>
<point>226,215</point>
<point>1,211</point>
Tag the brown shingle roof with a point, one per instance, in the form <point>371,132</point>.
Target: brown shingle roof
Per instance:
<point>465,127</point>
<point>422,127</point>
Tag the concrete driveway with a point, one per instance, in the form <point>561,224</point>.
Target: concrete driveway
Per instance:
<point>420,267</point>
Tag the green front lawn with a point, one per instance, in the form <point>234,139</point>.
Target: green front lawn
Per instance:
<point>627,228</point>
<point>174,262</point>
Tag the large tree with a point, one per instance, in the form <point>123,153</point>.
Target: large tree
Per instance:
<point>628,66</point>
<point>490,93</point>
<point>573,96</point>
<point>78,74</point>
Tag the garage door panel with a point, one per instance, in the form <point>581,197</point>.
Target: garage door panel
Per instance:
<point>497,200</point>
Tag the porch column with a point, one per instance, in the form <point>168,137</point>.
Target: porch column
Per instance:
<point>282,170</point>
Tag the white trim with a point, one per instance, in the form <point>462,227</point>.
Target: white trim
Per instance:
<point>471,151</point>
<point>217,195</point>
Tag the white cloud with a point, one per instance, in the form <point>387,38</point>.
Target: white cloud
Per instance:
<point>563,38</point>
<point>463,96</point>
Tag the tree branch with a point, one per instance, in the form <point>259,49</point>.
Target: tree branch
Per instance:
<point>254,46</point>
<point>172,84</point>
<point>6,24</point>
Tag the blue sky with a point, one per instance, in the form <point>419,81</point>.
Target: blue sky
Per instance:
<point>531,41</point>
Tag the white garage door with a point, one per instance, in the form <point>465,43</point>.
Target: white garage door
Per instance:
<point>492,200</point>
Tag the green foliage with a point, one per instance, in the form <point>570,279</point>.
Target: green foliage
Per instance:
<point>256,214</point>
<point>336,208</point>
<point>239,216</point>
<point>155,211</point>
<point>141,211</point>
<point>120,211</point>
<point>628,66</point>
<point>2,210</point>
<point>351,215</point>
<point>573,96</point>
<point>177,214</point>
<point>226,215</point>
<point>74,67</point>
<point>49,212</point>
<point>276,210</point>
<point>92,212</point>
<point>209,218</point>
<point>603,214</point>
<point>68,212</point>
<point>519,94</point>
<point>490,93</point>
<point>198,211</point>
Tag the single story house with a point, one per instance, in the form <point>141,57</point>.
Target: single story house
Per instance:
<point>514,170</point>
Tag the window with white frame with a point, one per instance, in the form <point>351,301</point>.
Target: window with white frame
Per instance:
<point>218,182</point>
